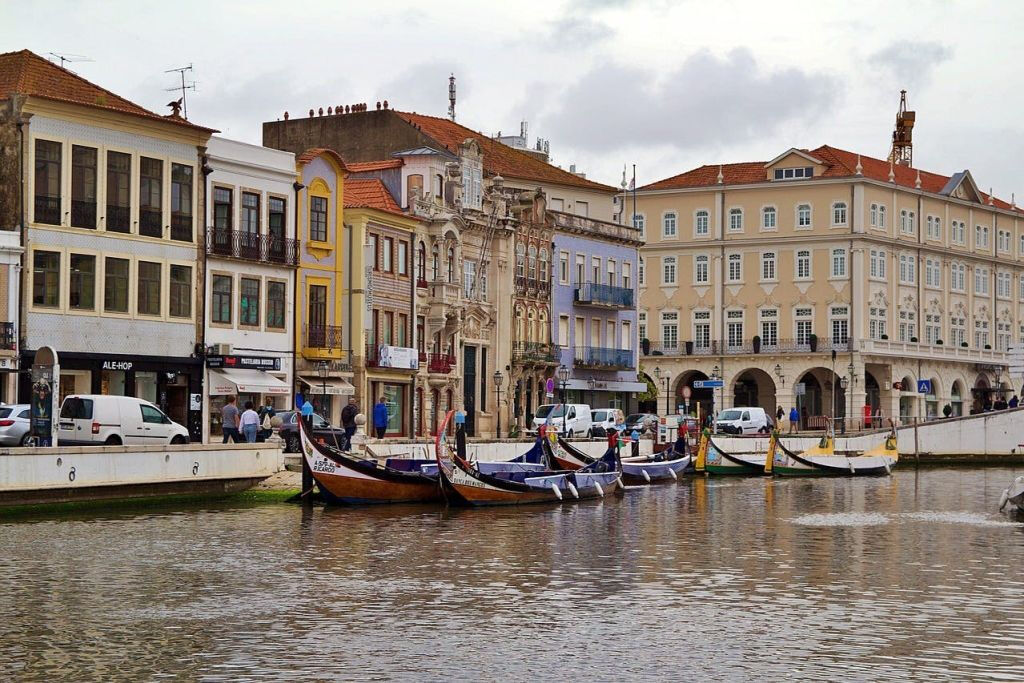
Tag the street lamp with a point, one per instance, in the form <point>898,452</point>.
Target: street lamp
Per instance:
<point>497,402</point>
<point>563,382</point>
<point>715,374</point>
<point>322,369</point>
<point>668,387</point>
<point>843,383</point>
<point>778,373</point>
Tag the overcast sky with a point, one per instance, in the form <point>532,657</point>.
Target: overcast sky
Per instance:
<point>665,85</point>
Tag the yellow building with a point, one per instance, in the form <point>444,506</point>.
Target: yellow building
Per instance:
<point>757,272</point>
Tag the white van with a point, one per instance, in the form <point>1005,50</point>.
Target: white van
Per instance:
<point>566,418</point>
<point>743,421</point>
<point>603,420</point>
<point>97,419</point>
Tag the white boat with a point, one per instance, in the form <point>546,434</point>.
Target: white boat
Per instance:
<point>1014,493</point>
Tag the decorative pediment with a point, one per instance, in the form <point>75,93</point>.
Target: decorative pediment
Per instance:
<point>962,186</point>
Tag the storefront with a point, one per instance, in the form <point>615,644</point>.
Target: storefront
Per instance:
<point>327,394</point>
<point>173,384</point>
<point>249,378</point>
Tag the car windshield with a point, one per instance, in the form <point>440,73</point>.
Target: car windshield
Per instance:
<point>730,415</point>
<point>600,415</point>
<point>636,417</point>
<point>544,412</point>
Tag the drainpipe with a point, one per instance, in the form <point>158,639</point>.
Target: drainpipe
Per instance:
<point>201,311</point>
<point>23,214</point>
<point>297,187</point>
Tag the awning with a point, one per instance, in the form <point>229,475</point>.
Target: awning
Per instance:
<point>334,386</point>
<point>604,385</point>
<point>245,381</point>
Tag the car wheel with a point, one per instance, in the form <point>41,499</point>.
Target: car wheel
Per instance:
<point>590,433</point>
<point>112,440</point>
<point>25,437</point>
<point>178,440</point>
<point>292,444</point>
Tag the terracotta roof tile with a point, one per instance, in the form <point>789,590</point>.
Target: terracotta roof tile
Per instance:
<point>370,193</point>
<point>499,158</point>
<point>367,166</point>
<point>314,152</point>
<point>26,73</point>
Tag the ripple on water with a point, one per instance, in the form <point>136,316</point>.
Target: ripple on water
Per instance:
<point>840,519</point>
<point>959,517</point>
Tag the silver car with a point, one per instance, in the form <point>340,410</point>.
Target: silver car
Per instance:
<point>14,424</point>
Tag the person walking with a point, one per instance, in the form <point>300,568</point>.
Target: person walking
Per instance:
<point>348,420</point>
<point>267,413</point>
<point>250,422</point>
<point>794,419</point>
<point>779,414</point>
<point>229,421</point>
<point>1014,402</point>
<point>380,418</point>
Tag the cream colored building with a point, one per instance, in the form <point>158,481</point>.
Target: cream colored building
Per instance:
<point>761,270</point>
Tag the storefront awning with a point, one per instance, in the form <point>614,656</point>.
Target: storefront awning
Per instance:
<point>334,386</point>
<point>244,381</point>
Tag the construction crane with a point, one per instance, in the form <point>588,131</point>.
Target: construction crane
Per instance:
<point>902,151</point>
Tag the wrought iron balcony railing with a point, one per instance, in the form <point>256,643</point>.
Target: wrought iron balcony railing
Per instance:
<point>323,337</point>
<point>47,210</point>
<point>83,214</point>
<point>599,357</point>
<point>440,362</point>
<point>610,296</point>
<point>252,247</point>
<point>535,352</point>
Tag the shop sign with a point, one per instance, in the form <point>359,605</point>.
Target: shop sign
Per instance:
<point>124,365</point>
<point>399,357</point>
<point>251,362</point>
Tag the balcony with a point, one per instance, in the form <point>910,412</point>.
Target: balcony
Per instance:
<point>600,358</point>
<point>582,225</point>
<point>604,296</point>
<point>526,286</point>
<point>150,223</point>
<point>47,210</point>
<point>83,214</point>
<point>440,363</point>
<point>884,347</point>
<point>719,348</point>
<point>118,218</point>
<point>181,227</point>
<point>8,337</point>
<point>326,337</point>
<point>252,247</point>
<point>535,352</point>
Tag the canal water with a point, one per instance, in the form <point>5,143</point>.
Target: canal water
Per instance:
<point>914,577</point>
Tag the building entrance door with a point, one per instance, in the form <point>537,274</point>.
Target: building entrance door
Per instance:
<point>469,388</point>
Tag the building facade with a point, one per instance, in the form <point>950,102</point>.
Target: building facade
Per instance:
<point>252,256</point>
<point>833,282</point>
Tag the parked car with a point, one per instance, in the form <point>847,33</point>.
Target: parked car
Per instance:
<point>98,419</point>
<point>743,421</point>
<point>571,418</point>
<point>603,419</point>
<point>322,431</point>
<point>641,422</point>
<point>15,423</point>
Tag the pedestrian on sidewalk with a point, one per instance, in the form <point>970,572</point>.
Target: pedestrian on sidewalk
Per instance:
<point>779,414</point>
<point>1014,402</point>
<point>229,421</point>
<point>348,420</point>
<point>380,418</point>
<point>250,422</point>
<point>794,419</point>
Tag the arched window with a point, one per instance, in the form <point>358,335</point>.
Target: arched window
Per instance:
<point>531,331</point>
<point>435,263</point>
<point>545,268</point>
<point>451,264</point>
<point>421,263</point>
<point>533,262</point>
<point>520,260</point>
<point>520,325</point>
<point>544,334</point>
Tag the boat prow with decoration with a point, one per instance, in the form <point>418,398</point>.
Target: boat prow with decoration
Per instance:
<point>641,469</point>
<point>822,460</point>
<point>1014,493</point>
<point>715,460</point>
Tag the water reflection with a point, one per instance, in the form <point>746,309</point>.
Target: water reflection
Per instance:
<point>910,577</point>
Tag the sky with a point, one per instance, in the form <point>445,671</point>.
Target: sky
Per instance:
<point>667,86</point>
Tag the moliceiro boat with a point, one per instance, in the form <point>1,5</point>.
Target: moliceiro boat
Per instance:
<point>641,469</point>
<point>715,460</point>
<point>822,460</point>
<point>1014,493</point>
<point>464,483</point>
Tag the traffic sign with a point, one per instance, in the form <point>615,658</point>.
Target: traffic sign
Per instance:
<point>686,393</point>
<point>708,384</point>
<point>799,389</point>
<point>550,386</point>
<point>924,386</point>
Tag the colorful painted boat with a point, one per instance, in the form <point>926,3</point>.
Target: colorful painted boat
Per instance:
<point>636,470</point>
<point>463,483</point>
<point>715,460</point>
<point>1014,493</point>
<point>822,460</point>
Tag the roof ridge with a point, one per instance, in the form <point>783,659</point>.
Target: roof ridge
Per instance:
<point>86,80</point>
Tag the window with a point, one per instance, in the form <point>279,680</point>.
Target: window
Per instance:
<point>180,305</point>
<point>881,216</point>
<point>769,327</point>
<point>151,183</point>
<point>957,330</point>
<point>700,270</point>
<point>627,275</point>
<point>934,230</point>
<point>735,220</point>
<point>151,415</point>
<point>804,325</point>
<point>521,261</point>
<point>46,279</point>
<point>387,254</point>
<point>115,284</point>
<point>222,299</point>
<point>181,204</point>
<point>877,264</point>
<point>48,163</point>
<point>83,187</point>
<point>413,188</point>
<point>318,219</point>
<point>669,330</point>
<point>701,223</point>
<point>403,258</point>
<point>468,277</point>
<point>451,264</point>
<point>876,322</point>
<point>980,280</point>
<point>119,168</point>
<point>932,327</point>
<point>768,266</point>
<point>472,183</point>
<point>702,329</point>
<point>734,329</point>
<point>1003,285</point>
<point>149,277</point>
<point>838,263</point>
<point>907,268</point>
<point>544,269</point>
<point>906,222</point>
<point>1020,293</point>
<point>638,222</point>
<point>641,324</point>
<point>531,261</point>
<point>316,315</point>
<point>82,282</point>
<point>958,277</point>
<point>222,214</point>
<point>580,266</point>
<point>374,250</point>
<point>768,218</point>
<point>908,326</point>
<point>1021,248</point>
<point>794,173</point>
<point>403,331</point>
<point>640,271</point>
<point>803,265</point>
<point>421,262</point>
<point>668,276</point>
<point>840,324</point>
<point>980,333</point>
<point>958,232</point>
<point>981,236</point>
<point>435,263</point>
<point>668,226</point>
<point>1003,336</point>
<point>595,269</point>
<point>563,267</point>
<point>626,342</point>
<point>932,273</point>
<point>839,213</point>
<point>612,281</point>
<point>873,215</point>
<point>803,216</point>
<point>275,304</point>
<point>735,268</point>
<point>1003,240</point>
<point>563,330</point>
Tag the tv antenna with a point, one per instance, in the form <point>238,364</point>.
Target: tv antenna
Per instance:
<point>185,85</point>
<point>69,58</point>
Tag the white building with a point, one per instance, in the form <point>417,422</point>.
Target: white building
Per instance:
<point>251,259</point>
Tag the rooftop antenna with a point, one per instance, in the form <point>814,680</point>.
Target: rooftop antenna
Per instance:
<point>68,57</point>
<point>451,97</point>
<point>190,85</point>
<point>902,152</point>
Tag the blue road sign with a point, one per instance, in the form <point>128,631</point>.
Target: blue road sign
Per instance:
<point>924,386</point>
<point>708,384</point>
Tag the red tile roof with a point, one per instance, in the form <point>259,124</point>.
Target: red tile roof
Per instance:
<point>839,163</point>
<point>499,158</point>
<point>26,73</point>
<point>313,153</point>
<point>370,193</point>
<point>367,166</point>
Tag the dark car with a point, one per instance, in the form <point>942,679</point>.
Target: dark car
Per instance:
<point>322,432</point>
<point>641,421</point>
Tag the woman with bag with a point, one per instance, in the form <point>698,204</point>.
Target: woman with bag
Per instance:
<point>267,413</point>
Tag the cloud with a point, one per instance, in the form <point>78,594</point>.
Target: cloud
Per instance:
<point>707,101</point>
<point>911,63</point>
<point>577,32</point>
<point>424,88</point>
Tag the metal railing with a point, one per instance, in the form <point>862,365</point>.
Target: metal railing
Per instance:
<point>440,362</point>
<point>8,338</point>
<point>118,218</point>
<point>322,336</point>
<point>181,227</point>
<point>47,210</point>
<point>529,284</point>
<point>535,352</point>
<point>83,214</point>
<point>594,294</point>
<point>252,246</point>
<point>600,357</point>
<point>747,347</point>
<point>150,224</point>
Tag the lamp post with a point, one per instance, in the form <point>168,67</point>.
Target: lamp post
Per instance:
<point>843,383</point>
<point>563,382</point>
<point>668,397</point>
<point>851,370</point>
<point>497,402</point>
<point>657,377</point>
<point>715,374</point>
<point>322,369</point>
